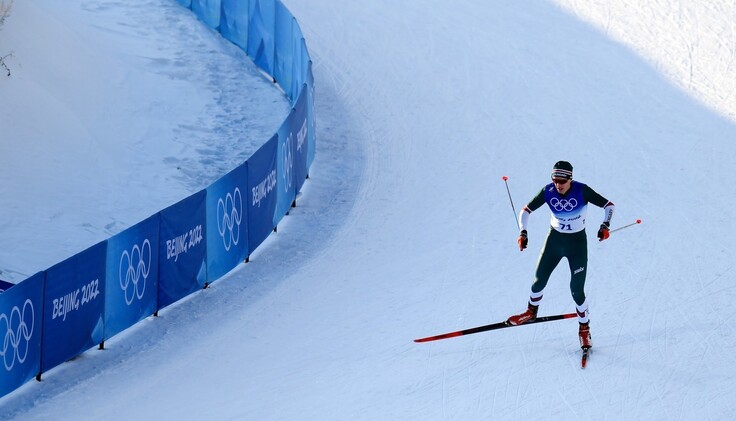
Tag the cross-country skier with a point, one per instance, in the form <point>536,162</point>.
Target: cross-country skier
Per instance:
<point>568,200</point>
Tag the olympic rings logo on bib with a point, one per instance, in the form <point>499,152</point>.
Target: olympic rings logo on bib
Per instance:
<point>561,205</point>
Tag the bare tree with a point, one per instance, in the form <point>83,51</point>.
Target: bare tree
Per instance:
<point>5,7</point>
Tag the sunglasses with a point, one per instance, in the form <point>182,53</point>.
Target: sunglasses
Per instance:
<point>560,180</point>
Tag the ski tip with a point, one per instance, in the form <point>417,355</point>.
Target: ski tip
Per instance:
<point>438,337</point>
<point>586,354</point>
<point>504,178</point>
<point>638,221</point>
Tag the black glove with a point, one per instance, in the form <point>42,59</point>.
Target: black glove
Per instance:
<point>522,240</point>
<point>603,231</point>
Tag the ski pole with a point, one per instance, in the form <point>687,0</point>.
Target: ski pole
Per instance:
<point>505,180</point>
<point>638,221</point>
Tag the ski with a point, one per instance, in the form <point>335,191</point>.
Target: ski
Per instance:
<point>584,361</point>
<point>494,326</point>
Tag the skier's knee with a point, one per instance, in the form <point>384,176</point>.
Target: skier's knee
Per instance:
<point>578,297</point>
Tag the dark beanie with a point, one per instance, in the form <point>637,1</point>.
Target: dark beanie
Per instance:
<point>562,169</point>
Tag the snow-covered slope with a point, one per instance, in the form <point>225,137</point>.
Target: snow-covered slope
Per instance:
<point>405,230</point>
<point>113,112</point>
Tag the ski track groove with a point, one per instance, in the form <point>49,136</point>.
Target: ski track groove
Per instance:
<point>567,403</point>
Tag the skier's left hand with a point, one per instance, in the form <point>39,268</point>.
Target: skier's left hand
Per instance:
<point>523,240</point>
<point>603,231</point>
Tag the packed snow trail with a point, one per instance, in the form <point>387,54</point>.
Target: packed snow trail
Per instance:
<point>403,229</point>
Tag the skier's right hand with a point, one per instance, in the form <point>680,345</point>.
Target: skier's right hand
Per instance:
<point>603,231</point>
<point>522,240</point>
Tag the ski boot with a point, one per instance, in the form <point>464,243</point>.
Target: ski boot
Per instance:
<point>585,340</point>
<point>527,316</point>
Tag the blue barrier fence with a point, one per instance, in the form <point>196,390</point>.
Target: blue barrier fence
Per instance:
<point>79,303</point>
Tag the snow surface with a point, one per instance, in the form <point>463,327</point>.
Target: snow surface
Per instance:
<point>114,111</point>
<point>404,229</point>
